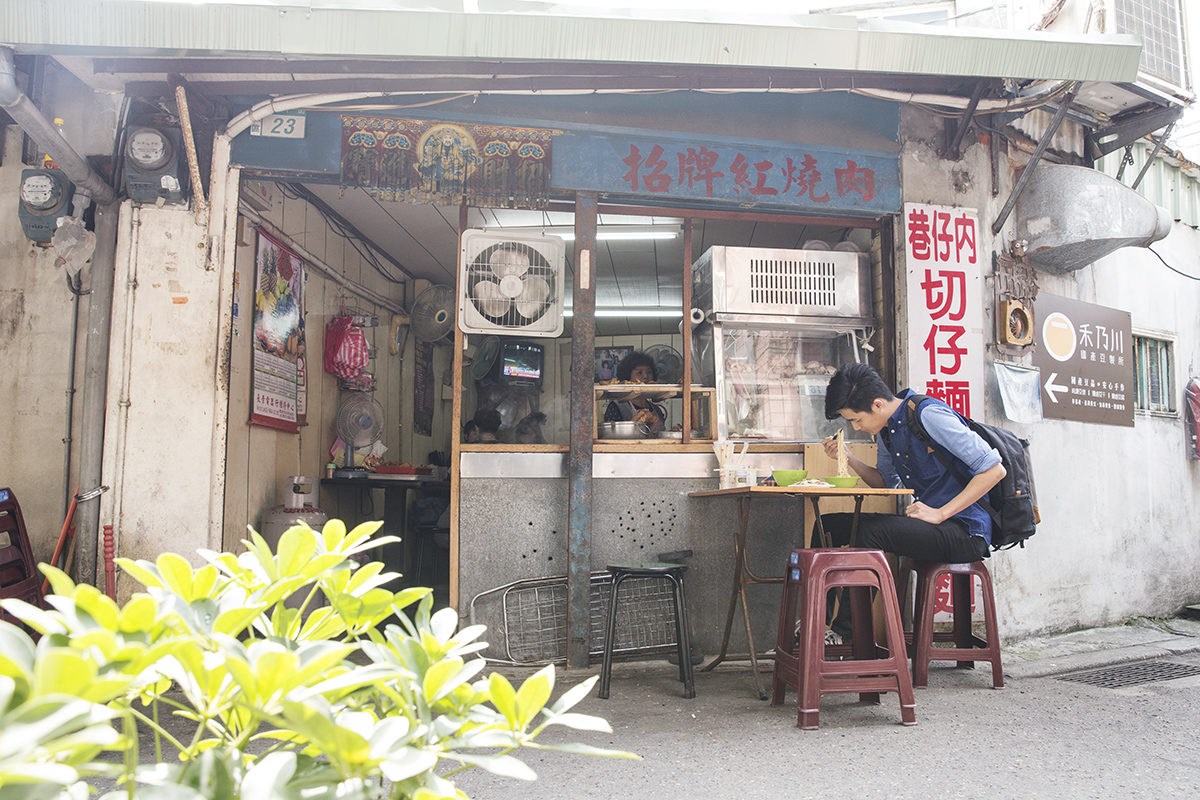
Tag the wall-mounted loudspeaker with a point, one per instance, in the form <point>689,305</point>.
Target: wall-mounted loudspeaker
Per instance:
<point>1016,323</point>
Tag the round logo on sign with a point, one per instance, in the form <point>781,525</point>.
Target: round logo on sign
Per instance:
<point>1058,336</point>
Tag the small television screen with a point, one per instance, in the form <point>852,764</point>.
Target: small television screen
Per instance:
<point>520,363</point>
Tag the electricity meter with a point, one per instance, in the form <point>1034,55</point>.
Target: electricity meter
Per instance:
<point>44,197</point>
<point>153,170</point>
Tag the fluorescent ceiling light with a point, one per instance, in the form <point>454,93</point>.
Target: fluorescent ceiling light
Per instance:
<point>613,232</point>
<point>643,311</point>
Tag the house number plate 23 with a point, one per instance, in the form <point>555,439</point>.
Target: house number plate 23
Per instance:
<point>288,125</point>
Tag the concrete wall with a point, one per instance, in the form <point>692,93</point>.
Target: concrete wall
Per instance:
<point>37,313</point>
<point>1118,536</point>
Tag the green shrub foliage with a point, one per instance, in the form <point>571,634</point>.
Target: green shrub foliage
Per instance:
<point>283,700</point>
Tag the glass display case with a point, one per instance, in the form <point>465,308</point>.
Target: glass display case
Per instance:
<point>771,382</point>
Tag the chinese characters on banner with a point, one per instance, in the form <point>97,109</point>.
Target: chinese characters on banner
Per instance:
<point>811,177</point>
<point>945,305</point>
<point>1085,355</point>
<point>278,336</point>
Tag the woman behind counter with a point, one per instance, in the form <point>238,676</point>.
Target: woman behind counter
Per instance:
<point>637,368</point>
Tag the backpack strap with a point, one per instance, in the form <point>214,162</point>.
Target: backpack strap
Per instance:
<point>912,420</point>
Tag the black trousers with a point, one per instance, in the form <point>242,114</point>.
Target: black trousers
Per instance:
<point>904,536</point>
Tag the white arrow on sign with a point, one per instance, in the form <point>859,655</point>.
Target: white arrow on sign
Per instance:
<point>1052,387</point>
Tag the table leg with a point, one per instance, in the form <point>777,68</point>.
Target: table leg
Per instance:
<point>818,526</point>
<point>854,524</point>
<point>739,572</point>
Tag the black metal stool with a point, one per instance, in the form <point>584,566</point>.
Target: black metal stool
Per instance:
<point>672,573</point>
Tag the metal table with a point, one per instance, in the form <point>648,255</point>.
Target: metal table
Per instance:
<point>742,574</point>
<point>396,488</point>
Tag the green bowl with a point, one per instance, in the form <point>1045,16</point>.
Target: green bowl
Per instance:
<point>786,477</point>
<point>842,483</point>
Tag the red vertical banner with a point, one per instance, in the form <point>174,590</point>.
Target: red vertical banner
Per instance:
<point>943,264</point>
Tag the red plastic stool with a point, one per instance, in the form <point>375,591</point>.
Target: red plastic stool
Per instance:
<point>19,576</point>
<point>811,574</point>
<point>966,648</point>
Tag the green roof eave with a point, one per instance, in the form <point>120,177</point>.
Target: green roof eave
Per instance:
<point>834,43</point>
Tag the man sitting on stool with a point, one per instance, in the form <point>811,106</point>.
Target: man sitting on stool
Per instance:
<point>945,522</point>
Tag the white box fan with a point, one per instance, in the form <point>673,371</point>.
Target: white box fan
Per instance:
<point>511,284</point>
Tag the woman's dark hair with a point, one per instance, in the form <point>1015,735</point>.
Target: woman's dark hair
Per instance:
<point>854,386</point>
<point>631,362</point>
<point>488,421</point>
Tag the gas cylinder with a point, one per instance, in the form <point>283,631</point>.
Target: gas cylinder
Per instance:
<point>300,499</point>
<point>299,503</point>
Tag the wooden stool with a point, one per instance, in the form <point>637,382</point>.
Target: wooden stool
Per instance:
<point>672,573</point>
<point>812,573</point>
<point>19,577</point>
<point>967,648</point>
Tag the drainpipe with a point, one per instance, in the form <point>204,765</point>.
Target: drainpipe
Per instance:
<point>95,370</point>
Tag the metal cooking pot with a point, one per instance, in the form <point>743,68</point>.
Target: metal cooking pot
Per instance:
<point>624,430</point>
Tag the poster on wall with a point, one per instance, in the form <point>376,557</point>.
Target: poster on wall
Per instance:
<point>278,336</point>
<point>945,305</point>
<point>1085,355</point>
<point>607,359</point>
<point>423,388</point>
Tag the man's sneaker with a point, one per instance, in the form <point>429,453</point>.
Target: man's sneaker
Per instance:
<point>831,637</point>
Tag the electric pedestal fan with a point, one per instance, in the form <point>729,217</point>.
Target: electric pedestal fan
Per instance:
<point>360,424</point>
<point>432,316</point>
<point>667,363</point>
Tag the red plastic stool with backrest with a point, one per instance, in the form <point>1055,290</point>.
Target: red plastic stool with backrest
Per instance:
<point>873,669</point>
<point>19,576</point>
<point>966,648</point>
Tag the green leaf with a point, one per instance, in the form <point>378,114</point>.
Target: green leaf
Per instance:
<point>503,765</point>
<point>61,670</point>
<point>587,750</point>
<point>141,571</point>
<point>176,574</point>
<point>581,722</point>
<point>407,763</point>
<point>138,615</point>
<point>503,697</point>
<point>572,696</point>
<point>269,777</point>
<point>533,695</point>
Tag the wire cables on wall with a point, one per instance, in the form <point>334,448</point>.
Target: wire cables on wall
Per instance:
<point>363,246</point>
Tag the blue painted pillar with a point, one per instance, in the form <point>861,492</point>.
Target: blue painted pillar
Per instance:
<point>583,413</point>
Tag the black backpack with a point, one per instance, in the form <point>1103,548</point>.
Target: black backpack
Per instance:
<point>1012,503</point>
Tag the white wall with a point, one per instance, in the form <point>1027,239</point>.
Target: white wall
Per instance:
<point>159,422</point>
<point>1118,537</point>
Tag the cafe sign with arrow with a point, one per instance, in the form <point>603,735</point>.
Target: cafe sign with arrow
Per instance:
<point>1085,354</point>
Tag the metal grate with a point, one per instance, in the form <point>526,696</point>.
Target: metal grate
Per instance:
<point>1134,674</point>
<point>1158,24</point>
<point>789,282</point>
<point>535,617</point>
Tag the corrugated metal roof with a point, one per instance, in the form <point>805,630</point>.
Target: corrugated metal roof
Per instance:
<point>1167,183</point>
<point>95,27</point>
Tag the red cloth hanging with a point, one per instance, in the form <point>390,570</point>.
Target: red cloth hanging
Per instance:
<point>1192,416</point>
<point>345,348</point>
